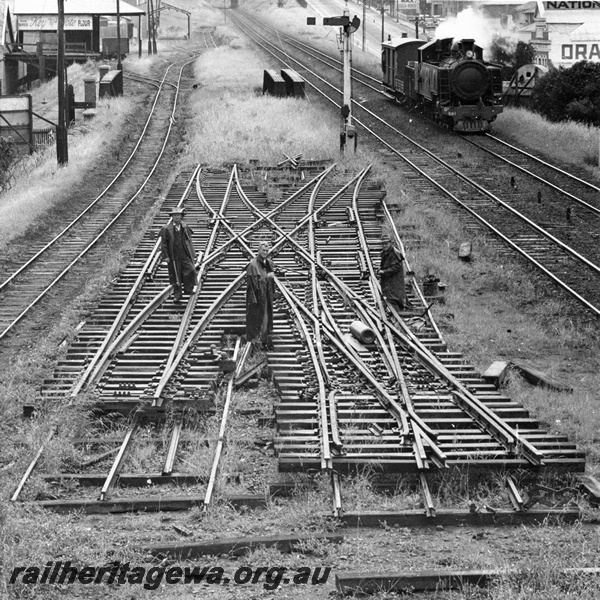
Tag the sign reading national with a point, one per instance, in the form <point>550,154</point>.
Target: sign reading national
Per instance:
<point>572,5</point>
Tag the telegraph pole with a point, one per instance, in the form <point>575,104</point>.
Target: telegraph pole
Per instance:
<point>149,23</point>
<point>417,25</point>
<point>364,31</point>
<point>154,28</point>
<point>62,150</point>
<point>382,24</point>
<point>119,65</point>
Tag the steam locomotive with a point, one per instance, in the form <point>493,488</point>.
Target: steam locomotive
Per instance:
<point>447,79</point>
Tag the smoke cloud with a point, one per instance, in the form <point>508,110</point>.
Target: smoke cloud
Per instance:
<point>471,23</point>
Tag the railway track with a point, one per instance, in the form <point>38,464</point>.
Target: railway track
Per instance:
<point>33,272</point>
<point>553,229</point>
<point>149,378</point>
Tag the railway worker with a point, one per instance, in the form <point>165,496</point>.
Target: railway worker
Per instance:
<point>259,298</point>
<point>178,249</point>
<point>391,274</point>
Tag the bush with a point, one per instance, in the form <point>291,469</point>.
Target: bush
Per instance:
<point>7,158</point>
<point>570,94</point>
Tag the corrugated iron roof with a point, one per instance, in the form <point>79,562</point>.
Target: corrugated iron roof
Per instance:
<point>75,7</point>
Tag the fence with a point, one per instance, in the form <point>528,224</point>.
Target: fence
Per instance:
<point>43,137</point>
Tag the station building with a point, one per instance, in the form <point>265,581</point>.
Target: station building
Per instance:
<point>563,32</point>
<point>29,35</point>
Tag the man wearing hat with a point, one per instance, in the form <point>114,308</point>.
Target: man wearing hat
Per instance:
<point>259,298</point>
<point>391,273</point>
<point>177,248</point>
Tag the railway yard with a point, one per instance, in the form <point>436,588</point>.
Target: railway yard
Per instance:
<point>367,450</point>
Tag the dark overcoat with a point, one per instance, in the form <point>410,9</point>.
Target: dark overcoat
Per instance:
<point>392,276</point>
<point>259,300</point>
<point>182,272</point>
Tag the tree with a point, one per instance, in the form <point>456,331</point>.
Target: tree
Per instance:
<point>573,93</point>
<point>510,55</point>
<point>524,55</point>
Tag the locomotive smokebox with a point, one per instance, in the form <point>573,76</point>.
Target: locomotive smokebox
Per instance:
<point>469,79</point>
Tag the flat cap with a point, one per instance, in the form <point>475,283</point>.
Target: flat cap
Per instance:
<point>386,238</point>
<point>177,211</point>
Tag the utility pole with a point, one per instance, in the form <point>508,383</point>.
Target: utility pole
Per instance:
<point>382,23</point>
<point>364,31</point>
<point>119,65</point>
<point>153,27</point>
<point>149,23</point>
<point>62,150</point>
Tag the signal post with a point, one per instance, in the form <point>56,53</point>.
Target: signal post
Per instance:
<point>348,130</point>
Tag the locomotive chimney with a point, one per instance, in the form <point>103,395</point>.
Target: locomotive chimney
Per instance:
<point>467,44</point>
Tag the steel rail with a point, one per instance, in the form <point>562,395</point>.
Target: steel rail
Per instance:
<point>416,289</point>
<point>445,191</point>
<point>335,337</point>
<point>314,52</point>
<point>551,185</point>
<point>173,444</point>
<point>496,231</point>
<point>209,315</point>
<point>387,400</point>
<point>122,341</point>
<point>494,424</point>
<point>418,425</point>
<point>189,311</point>
<point>321,365</point>
<point>99,236</point>
<point>236,237</point>
<point>317,53</point>
<point>389,403</point>
<point>476,408</point>
<point>543,162</point>
<point>466,399</point>
<point>100,196</point>
<point>326,459</point>
<point>219,447</point>
<point>237,374</point>
<point>31,466</point>
<point>118,462</point>
<point>98,362</point>
<point>222,429</point>
<point>195,333</point>
<point>318,367</point>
